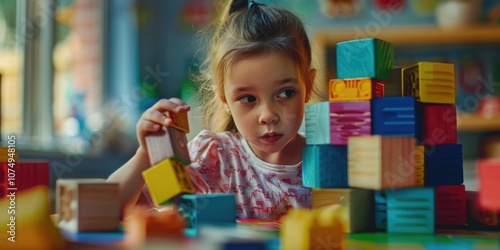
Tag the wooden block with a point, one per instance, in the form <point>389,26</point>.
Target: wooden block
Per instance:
<point>317,123</point>
<point>23,175</point>
<point>375,162</point>
<point>354,218</point>
<point>87,205</point>
<point>479,217</point>
<point>217,209</point>
<point>394,116</point>
<point>410,210</point>
<point>168,143</point>
<point>489,184</point>
<point>380,210</point>
<point>180,120</point>
<point>443,165</point>
<point>450,205</point>
<point>32,227</point>
<point>438,124</point>
<point>166,180</point>
<point>318,228</point>
<point>354,89</point>
<point>369,57</point>
<point>324,166</point>
<point>430,82</point>
<point>419,166</point>
<point>349,119</point>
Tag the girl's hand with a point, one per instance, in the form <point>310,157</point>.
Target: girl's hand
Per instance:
<point>154,118</point>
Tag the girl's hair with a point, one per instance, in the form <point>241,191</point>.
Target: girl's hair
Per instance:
<point>242,32</point>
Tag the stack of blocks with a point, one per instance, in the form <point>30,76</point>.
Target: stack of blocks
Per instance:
<point>385,133</point>
<point>168,181</point>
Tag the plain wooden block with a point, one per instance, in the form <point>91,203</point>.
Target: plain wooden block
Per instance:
<point>438,124</point>
<point>430,82</point>
<point>376,162</point>
<point>168,143</point>
<point>354,218</point>
<point>166,180</point>
<point>349,119</point>
<point>179,120</point>
<point>394,116</point>
<point>324,166</point>
<point>450,205</point>
<point>489,183</point>
<point>369,57</point>
<point>411,210</point>
<point>317,228</point>
<point>87,205</point>
<point>354,89</point>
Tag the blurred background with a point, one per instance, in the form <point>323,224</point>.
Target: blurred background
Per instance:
<point>77,74</point>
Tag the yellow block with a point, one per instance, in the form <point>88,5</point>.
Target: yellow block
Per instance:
<point>33,227</point>
<point>179,120</point>
<point>354,89</point>
<point>419,166</point>
<point>430,82</point>
<point>166,180</point>
<point>5,155</point>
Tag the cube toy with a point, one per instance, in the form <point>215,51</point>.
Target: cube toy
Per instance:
<point>444,161</point>
<point>324,166</point>
<point>87,205</point>
<point>318,228</point>
<point>380,210</point>
<point>419,166</point>
<point>479,217</point>
<point>437,124</point>
<point>489,185</point>
<point>23,175</point>
<point>354,218</point>
<point>394,116</point>
<point>375,162</point>
<point>410,210</point>
<point>207,209</point>
<point>430,82</point>
<point>354,89</point>
<point>30,226</point>
<point>168,143</point>
<point>370,57</point>
<point>179,120</point>
<point>166,180</point>
<point>450,205</point>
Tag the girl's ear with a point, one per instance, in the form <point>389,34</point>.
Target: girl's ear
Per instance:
<point>310,86</point>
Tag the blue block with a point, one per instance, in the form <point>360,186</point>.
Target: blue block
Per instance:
<point>324,166</point>
<point>410,210</point>
<point>394,116</point>
<point>370,57</point>
<point>207,209</point>
<point>317,123</point>
<point>380,210</point>
<point>443,165</point>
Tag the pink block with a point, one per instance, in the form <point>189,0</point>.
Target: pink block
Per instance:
<point>349,119</point>
<point>489,183</point>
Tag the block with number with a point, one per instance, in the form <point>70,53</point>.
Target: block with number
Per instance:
<point>410,210</point>
<point>369,57</point>
<point>87,205</point>
<point>450,205</point>
<point>430,82</point>
<point>167,180</point>
<point>375,162</point>
<point>354,218</point>
<point>179,120</point>
<point>443,165</point>
<point>354,89</point>
<point>489,184</point>
<point>168,143</point>
<point>324,166</point>
<point>394,116</point>
<point>438,124</point>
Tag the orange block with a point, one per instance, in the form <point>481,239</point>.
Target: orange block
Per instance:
<point>354,89</point>
<point>179,120</point>
<point>489,184</point>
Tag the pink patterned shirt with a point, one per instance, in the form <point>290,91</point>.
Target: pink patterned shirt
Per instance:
<point>224,163</point>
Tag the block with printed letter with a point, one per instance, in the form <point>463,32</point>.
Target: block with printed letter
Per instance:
<point>354,89</point>
<point>317,228</point>
<point>443,165</point>
<point>87,205</point>
<point>207,209</point>
<point>394,116</point>
<point>410,210</point>
<point>354,218</point>
<point>168,143</point>
<point>438,124</point>
<point>430,82</point>
<point>376,162</point>
<point>324,166</point>
<point>489,184</point>
<point>179,120</point>
<point>29,222</point>
<point>450,205</point>
<point>166,180</point>
<point>369,57</point>
<point>419,166</point>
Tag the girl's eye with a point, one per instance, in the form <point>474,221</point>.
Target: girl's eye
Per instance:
<point>247,99</point>
<point>287,93</point>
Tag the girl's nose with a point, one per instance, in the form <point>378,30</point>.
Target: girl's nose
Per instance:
<point>268,115</point>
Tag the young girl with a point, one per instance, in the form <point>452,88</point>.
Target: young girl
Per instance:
<point>257,80</point>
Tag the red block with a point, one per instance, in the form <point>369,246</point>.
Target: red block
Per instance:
<point>439,124</point>
<point>489,183</point>
<point>24,175</point>
<point>450,205</point>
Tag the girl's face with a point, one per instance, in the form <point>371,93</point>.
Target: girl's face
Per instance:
<point>266,99</point>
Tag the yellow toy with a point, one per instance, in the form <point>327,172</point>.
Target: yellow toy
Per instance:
<point>354,89</point>
<point>430,82</point>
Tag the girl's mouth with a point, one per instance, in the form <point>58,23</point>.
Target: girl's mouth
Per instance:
<point>271,137</point>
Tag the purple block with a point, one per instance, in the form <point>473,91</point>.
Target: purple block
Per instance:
<point>349,119</point>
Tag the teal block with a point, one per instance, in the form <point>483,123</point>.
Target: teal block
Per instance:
<point>317,121</point>
<point>411,210</point>
<point>370,57</point>
<point>324,166</point>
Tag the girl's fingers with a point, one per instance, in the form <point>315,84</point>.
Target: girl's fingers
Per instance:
<point>157,117</point>
<point>173,105</point>
<point>147,126</point>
